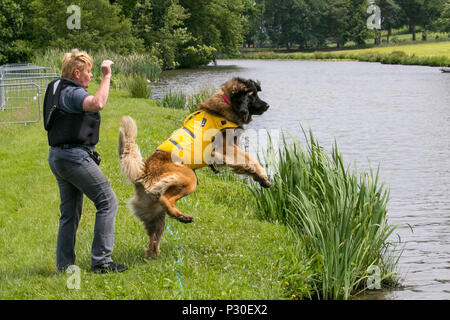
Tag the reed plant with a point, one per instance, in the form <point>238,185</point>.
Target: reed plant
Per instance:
<point>138,63</point>
<point>194,100</point>
<point>178,100</point>
<point>337,215</point>
<point>172,99</point>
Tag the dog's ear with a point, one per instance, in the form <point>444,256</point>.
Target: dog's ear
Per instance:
<point>258,85</point>
<point>239,86</point>
<point>251,85</point>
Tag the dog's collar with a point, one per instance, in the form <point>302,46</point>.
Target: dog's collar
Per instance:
<point>224,97</point>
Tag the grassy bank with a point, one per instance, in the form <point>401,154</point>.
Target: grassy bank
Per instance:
<point>427,54</point>
<point>245,242</point>
<point>225,254</point>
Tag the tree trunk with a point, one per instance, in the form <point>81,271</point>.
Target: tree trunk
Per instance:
<point>413,30</point>
<point>389,33</point>
<point>377,38</point>
<point>424,35</point>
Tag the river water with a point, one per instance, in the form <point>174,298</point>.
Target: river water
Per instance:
<point>397,117</point>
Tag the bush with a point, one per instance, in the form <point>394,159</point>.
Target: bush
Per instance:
<point>193,56</point>
<point>17,51</point>
<point>337,215</point>
<point>139,87</point>
<point>401,54</point>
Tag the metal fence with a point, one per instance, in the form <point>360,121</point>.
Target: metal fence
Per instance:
<point>22,90</point>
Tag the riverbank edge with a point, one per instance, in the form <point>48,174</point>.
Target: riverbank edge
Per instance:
<point>395,57</point>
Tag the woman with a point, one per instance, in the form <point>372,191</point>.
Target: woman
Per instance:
<point>72,137</point>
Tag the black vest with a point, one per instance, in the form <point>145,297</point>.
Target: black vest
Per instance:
<point>68,128</point>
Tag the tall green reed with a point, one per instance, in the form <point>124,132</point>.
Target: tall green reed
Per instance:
<point>127,65</point>
<point>338,216</point>
<point>172,99</point>
<point>194,100</point>
<point>177,99</point>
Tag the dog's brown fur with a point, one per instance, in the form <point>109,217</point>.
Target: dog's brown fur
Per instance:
<point>160,182</point>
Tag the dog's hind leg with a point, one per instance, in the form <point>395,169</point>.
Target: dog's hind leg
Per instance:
<point>154,230</point>
<point>158,233</point>
<point>179,182</point>
<point>173,211</point>
<point>186,183</point>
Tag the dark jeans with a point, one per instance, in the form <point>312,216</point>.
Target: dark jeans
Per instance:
<point>77,174</point>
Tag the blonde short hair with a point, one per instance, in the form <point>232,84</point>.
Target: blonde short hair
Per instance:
<point>75,60</point>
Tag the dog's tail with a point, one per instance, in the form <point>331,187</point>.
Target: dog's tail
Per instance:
<point>129,155</point>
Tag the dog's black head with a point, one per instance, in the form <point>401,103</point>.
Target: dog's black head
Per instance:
<point>244,99</point>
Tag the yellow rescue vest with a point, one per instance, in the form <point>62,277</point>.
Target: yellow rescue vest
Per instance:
<point>192,142</point>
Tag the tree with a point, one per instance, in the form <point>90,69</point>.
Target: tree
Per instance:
<point>413,10</point>
<point>356,22</point>
<point>161,25</point>
<point>216,23</point>
<point>126,6</point>
<point>443,23</point>
<point>172,35</point>
<point>254,28</point>
<point>431,12</point>
<point>102,26</point>
<point>315,25</point>
<point>336,16</point>
<point>390,11</point>
<point>277,21</point>
<point>13,46</point>
<point>142,22</point>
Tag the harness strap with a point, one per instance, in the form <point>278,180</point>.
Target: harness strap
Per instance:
<point>213,168</point>
<point>189,117</point>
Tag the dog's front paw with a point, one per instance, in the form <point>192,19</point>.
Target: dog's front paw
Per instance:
<point>265,183</point>
<point>185,219</point>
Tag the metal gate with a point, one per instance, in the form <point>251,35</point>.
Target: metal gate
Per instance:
<point>22,103</point>
<point>22,89</point>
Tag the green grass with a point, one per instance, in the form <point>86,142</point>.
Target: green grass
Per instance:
<point>337,214</point>
<point>428,54</point>
<point>226,253</point>
<point>427,49</point>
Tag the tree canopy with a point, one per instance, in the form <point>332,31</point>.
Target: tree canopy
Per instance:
<point>187,33</point>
